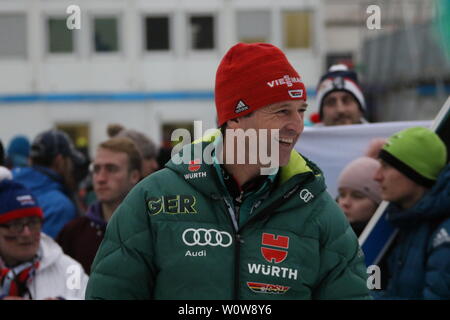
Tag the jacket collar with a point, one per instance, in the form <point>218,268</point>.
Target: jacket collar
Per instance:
<point>432,206</point>
<point>95,213</point>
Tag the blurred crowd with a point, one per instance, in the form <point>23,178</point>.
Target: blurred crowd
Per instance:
<point>49,186</point>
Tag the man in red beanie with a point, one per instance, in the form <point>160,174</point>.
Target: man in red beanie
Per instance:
<point>225,229</point>
<point>257,88</point>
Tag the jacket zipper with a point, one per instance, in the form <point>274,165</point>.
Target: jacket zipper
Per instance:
<point>238,206</point>
<point>237,251</point>
<point>237,236</point>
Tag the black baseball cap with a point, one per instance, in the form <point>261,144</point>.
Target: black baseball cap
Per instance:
<point>50,143</point>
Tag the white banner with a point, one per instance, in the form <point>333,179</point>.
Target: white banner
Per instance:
<point>333,147</point>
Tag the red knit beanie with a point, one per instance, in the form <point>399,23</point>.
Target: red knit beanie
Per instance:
<point>252,76</point>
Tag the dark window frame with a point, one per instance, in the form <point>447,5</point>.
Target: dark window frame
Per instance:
<point>212,32</point>
<point>169,33</point>
<point>94,43</point>
<point>48,38</point>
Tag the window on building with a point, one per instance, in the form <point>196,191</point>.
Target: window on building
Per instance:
<point>13,35</point>
<point>253,26</point>
<point>297,29</point>
<point>157,33</point>
<point>106,34</point>
<point>79,134</point>
<point>202,32</point>
<point>60,38</point>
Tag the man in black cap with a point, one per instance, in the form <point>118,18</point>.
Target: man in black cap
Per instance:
<point>51,178</point>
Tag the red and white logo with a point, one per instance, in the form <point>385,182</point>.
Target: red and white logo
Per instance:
<point>281,243</point>
<point>25,200</point>
<point>296,93</point>
<point>267,288</point>
<point>194,165</point>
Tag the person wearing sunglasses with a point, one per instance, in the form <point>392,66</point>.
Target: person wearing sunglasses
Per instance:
<point>32,265</point>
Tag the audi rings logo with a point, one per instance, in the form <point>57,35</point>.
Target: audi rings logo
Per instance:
<point>206,237</point>
<point>306,195</point>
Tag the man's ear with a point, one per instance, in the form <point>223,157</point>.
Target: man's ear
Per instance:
<point>233,123</point>
<point>58,163</point>
<point>135,176</point>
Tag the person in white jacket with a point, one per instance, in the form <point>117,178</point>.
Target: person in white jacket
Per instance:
<point>32,265</point>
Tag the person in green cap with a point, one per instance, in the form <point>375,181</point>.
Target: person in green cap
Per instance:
<point>415,179</point>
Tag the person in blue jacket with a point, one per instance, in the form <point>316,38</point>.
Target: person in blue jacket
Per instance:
<point>51,178</point>
<point>415,179</point>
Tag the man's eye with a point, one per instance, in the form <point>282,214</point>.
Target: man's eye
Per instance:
<point>111,168</point>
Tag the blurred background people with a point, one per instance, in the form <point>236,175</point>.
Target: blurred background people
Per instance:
<point>412,179</point>
<point>51,178</point>
<point>116,169</point>
<point>144,144</point>
<point>18,152</point>
<point>32,265</point>
<point>340,98</point>
<point>359,194</point>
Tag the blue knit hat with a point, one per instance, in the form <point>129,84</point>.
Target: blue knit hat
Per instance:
<point>18,151</point>
<point>17,202</point>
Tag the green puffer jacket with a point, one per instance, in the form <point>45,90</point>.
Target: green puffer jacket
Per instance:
<point>173,238</point>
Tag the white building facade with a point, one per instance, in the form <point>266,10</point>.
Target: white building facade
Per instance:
<point>148,65</point>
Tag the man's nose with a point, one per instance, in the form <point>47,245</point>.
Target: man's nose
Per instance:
<point>344,202</point>
<point>296,123</point>
<point>100,175</point>
<point>340,106</point>
<point>26,231</point>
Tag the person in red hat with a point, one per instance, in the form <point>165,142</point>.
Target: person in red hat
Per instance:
<point>234,225</point>
<point>32,265</point>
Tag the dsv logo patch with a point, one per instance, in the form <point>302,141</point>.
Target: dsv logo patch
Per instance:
<point>206,237</point>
